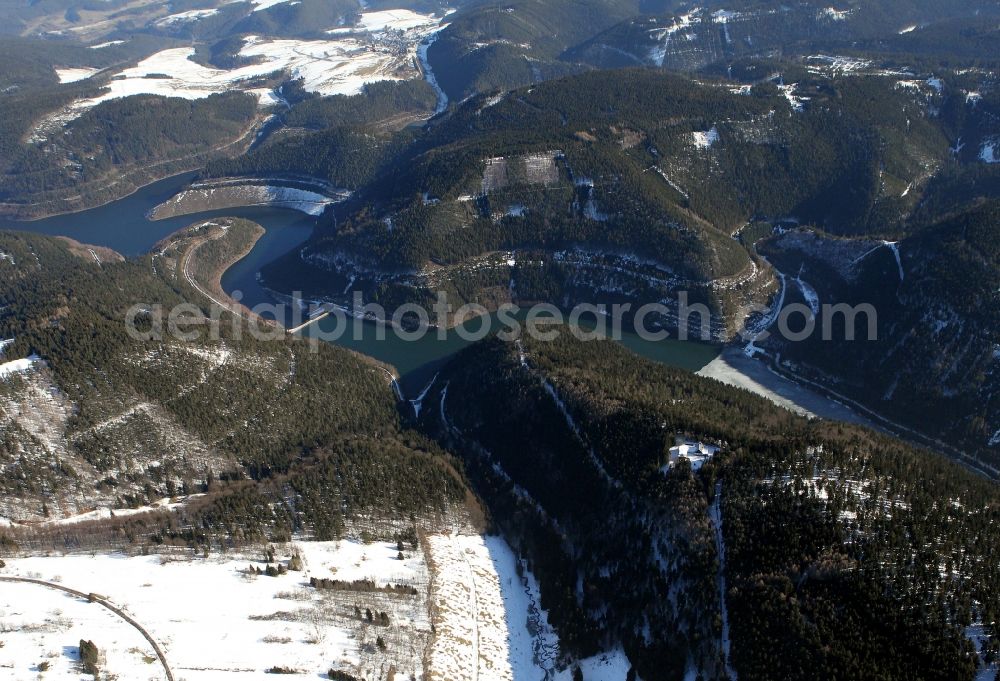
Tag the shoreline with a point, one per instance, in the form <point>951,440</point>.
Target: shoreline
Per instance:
<point>216,293</point>
<point>309,197</point>
<point>190,164</point>
<point>814,400</point>
<point>10,217</point>
<point>246,313</point>
<point>894,428</point>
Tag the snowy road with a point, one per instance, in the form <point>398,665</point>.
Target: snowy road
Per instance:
<point>94,598</point>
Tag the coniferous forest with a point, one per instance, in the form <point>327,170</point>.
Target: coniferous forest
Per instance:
<point>187,486</point>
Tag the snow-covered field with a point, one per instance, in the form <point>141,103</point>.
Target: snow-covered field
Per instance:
<point>213,619</point>
<point>396,20</point>
<point>482,609</point>
<point>383,46</point>
<point>42,629</point>
<point>73,75</point>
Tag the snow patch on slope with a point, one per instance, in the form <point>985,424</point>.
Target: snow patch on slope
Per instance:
<point>797,103</point>
<point>990,152</point>
<point>483,608</point>
<point>835,14</point>
<point>260,5</point>
<point>705,140</point>
<point>658,53</point>
<point>185,17</point>
<point>17,366</point>
<point>809,293</point>
<point>165,504</point>
<point>75,75</point>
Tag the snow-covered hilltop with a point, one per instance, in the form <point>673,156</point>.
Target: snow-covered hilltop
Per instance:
<point>382,46</point>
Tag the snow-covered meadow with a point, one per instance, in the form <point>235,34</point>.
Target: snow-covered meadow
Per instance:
<point>489,620</point>
<point>213,618</point>
<point>474,614</point>
<point>75,74</point>
<point>42,628</point>
<point>382,46</point>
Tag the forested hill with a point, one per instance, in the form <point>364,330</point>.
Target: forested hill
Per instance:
<point>91,417</point>
<point>694,38</point>
<point>628,184</point>
<point>53,160</point>
<point>634,185</point>
<point>489,46</point>
<point>845,551</point>
<point>936,363</point>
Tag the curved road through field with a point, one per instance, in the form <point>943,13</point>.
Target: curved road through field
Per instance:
<point>100,600</point>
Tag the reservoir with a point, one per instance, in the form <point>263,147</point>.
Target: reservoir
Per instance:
<point>123,226</point>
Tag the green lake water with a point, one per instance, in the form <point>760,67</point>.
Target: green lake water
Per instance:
<point>123,226</point>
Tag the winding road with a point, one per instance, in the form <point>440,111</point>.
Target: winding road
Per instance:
<point>186,269</point>
<point>100,600</point>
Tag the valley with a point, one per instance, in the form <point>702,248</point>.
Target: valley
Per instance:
<point>308,350</point>
<point>417,362</point>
